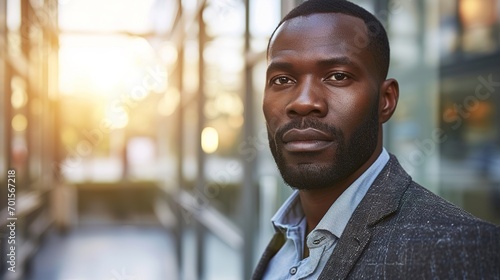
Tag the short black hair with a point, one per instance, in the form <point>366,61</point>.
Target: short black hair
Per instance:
<point>379,43</point>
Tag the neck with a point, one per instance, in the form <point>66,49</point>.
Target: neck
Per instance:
<point>316,202</point>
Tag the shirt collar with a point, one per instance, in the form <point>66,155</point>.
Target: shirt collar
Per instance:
<point>336,218</point>
<point>290,213</point>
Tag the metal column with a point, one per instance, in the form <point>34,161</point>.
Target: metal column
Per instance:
<point>201,159</point>
<point>250,189</point>
<point>180,138</point>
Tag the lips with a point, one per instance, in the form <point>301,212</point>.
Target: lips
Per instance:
<point>306,140</point>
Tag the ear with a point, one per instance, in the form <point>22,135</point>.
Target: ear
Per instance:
<point>388,100</point>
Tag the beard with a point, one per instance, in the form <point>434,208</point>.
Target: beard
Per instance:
<point>349,155</point>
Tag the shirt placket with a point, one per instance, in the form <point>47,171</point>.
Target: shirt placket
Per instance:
<point>316,243</point>
<point>294,234</point>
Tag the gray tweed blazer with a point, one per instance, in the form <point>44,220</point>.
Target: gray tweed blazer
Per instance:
<point>400,230</point>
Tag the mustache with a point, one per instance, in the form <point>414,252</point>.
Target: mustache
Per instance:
<point>306,123</point>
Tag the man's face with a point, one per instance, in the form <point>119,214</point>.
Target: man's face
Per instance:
<point>321,99</point>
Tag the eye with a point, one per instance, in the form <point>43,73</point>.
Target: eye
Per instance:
<point>337,77</point>
<point>282,80</point>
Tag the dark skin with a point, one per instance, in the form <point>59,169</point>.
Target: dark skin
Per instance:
<point>312,73</point>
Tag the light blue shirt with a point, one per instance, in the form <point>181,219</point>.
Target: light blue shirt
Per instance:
<point>290,219</point>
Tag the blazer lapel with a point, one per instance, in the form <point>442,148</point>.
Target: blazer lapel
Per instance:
<point>272,248</point>
<point>381,200</point>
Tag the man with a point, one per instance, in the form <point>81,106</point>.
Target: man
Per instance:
<point>355,212</point>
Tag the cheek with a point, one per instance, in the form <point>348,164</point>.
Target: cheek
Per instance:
<point>352,111</point>
<point>274,112</point>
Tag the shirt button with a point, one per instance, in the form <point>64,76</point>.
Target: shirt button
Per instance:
<point>316,242</point>
<point>293,270</point>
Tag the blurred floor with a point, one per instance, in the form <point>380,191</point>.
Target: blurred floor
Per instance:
<point>107,253</point>
<point>128,253</point>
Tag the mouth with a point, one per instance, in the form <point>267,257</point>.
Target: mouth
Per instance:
<point>306,140</point>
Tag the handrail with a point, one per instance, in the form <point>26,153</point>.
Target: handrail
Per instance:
<point>210,218</point>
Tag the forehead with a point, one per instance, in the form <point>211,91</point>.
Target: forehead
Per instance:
<point>328,34</point>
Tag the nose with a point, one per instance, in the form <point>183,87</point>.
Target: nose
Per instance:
<point>307,101</point>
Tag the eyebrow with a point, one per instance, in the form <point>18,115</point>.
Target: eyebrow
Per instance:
<point>279,65</point>
<point>341,60</point>
<point>327,62</point>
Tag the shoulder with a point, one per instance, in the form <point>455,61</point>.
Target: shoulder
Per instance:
<point>395,192</point>
<point>421,234</point>
<point>424,216</point>
<point>429,236</point>
<point>419,206</point>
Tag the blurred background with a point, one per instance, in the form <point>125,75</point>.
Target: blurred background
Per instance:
<point>139,147</point>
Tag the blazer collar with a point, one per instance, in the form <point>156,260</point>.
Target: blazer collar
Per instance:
<point>272,248</point>
<point>381,200</point>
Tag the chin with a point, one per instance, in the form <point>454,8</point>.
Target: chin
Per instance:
<point>309,176</point>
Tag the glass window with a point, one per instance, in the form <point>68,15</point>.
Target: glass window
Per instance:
<point>114,81</point>
<point>448,28</point>
<point>478,19</point>
<point>468,111</point>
